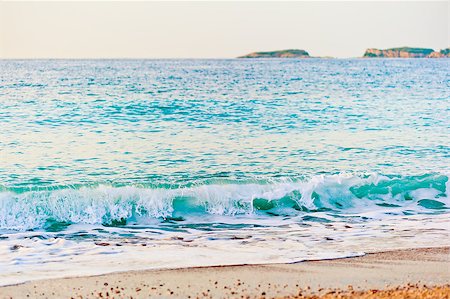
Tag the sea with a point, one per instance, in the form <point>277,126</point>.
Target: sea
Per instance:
<point>117,165</point>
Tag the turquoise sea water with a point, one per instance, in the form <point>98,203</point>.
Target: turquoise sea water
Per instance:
<point>201,155</point>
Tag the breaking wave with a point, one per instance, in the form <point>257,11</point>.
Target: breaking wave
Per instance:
<point>342,194</point>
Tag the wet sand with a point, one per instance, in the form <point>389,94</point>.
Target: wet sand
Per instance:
<point>411,273</point>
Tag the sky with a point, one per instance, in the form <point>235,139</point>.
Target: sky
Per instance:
<point>187,29</point>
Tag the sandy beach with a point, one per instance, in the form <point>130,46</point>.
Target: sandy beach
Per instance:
<point>412,273</point>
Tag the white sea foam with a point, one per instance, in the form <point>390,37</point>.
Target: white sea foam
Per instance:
<point>37,255</point>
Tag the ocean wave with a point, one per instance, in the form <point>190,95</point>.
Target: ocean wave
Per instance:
<point>111,205</point>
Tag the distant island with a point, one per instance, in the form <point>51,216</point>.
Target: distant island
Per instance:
<point>407,52</point>
<point>291,53</point>
<point>402,52</point>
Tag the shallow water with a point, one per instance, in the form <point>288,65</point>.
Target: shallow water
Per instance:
<point>110,165</point>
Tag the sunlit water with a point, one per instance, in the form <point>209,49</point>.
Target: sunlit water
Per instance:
<point>109,165</point>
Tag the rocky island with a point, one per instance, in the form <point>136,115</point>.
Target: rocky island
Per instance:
<point>291,53</point>
<point>402,52</point>
<point>407,52</point>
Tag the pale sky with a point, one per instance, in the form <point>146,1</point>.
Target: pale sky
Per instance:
<point>216,29</point>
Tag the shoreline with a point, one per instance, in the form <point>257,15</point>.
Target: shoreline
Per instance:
<point>408,269</point>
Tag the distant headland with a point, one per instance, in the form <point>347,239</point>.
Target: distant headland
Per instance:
<point>407,52</point>
<point>402,52</point>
